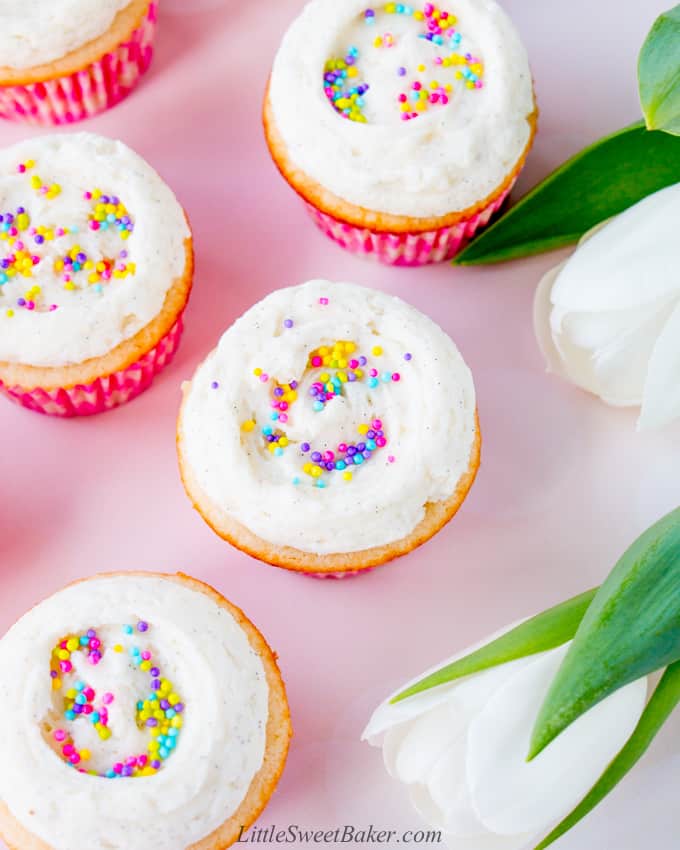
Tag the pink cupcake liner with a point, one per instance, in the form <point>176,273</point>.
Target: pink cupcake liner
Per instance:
<point>104,393</point>
<point>339,575</point>
<point>87,92</point>
<point>406,249</point>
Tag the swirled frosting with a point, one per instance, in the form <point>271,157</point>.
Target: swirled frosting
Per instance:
<point>459,68</point>
<point>91,240</point>
<point>134,713</point>
<point>33,32</point>
<point>328,417</point>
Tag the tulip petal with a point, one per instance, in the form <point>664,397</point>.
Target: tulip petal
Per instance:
<point>389,714</point>
<point>661,400</point>
<point>608,353</point>
<point>543,309</point>
<point>512,795</point>
<point>627,262</point>
<point>422,745</point>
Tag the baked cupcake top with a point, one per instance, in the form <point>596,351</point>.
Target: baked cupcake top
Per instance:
<point>134,714</point>
<point>91,240</point>
<point>33,32</point>
<point>328,417</point>
<point>409,109</point>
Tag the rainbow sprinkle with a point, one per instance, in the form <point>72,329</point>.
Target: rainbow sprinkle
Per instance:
<point>160,712</point>
<point>330,369</point>
<point>345,89</point>
<point>31,246</point>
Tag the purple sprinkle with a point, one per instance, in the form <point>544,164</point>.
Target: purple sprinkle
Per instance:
<point>155,672</point>
<point>316,457</point>
<point>330,466</point>
<point>78,708</point>
<point>313,391</point>
<point>21,302</point>
<point>53,674</point>
<point>214,385</point>
<point>91,633</point>
<point>20,210</point>
<point>304,448</point>
<point>155,684</point>
<point>367,454</point>
<point>361,447</point>
<point>362,360</point>
<point>288,323</point>
<point>155,764</point>
<point>278,392</point>
<point>408,356</point>
<point>142,626</point>
<point>165,705</point>
<point>402,72</point>
<point>351,450</point>
<point>39,239</point>
<point>152,722</point>
<point>179,708</point>
<point>126,771</point>
<point>293,385</point>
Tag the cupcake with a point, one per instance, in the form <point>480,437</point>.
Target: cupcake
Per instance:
<point>96,265</point>
<point>332,429</point>
<point>139,710</point>
<point>402,127</point>
<point>70,59</point>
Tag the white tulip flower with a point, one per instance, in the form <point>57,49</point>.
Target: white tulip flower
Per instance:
<point>608,319</point>
<point>461,748</point>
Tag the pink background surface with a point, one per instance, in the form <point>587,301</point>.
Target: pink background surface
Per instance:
<point>565,485</point>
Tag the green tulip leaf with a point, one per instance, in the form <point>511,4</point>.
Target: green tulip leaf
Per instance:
<point>659,74</point>
<point>664,699</point>
<point>548,630</point>
<point>632,628</point>
<point>601,181</point>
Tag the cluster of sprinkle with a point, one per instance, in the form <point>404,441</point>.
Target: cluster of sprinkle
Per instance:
<point>346,456</point>
<point>26,243</point>
<point>332,368</point>
<point>160,712</point>
<point>346,91</point>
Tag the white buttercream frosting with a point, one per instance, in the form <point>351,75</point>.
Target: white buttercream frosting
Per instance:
<point>449,158</point>
<point>33,32</point>
<point>427,417</point>
<point>200,648</point>
<point>90,319</point>
<point>461,749</point>
<point>608,318</point>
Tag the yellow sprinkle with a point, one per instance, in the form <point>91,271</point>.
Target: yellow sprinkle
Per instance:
<point>376,351</point>
<point>421,68</point>
<point>347,476</point>
<point>248,425</point>
<point>257,372</point>
<point>316,472</point>
<point>56,684</point>
<point>36,182</point>
<point>363,429</point>
<point>117,648</point>
<point>85,755</point>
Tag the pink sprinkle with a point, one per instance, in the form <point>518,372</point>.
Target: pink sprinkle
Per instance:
<point>21,169</point>
<point>146,656</point>
<point>60,735</point>
<point>118,768</point>
<point>374,373</point>
<point>53,307</point>
<point>65,666</point>
<point>402,98</point>
<point>391,458</point>
<point>396,376</point>
<point>342,448</point>
<point>377,424</point>
<point>264,378</point>
<point>107,699</point>
<point>68,749</point>
<point>381,442</point>
<point>94,225</point>
<point>479,84</point>
<point>283,418</point>
<point>316,361</point>
<point>323,301</point>
<point>88,196</point>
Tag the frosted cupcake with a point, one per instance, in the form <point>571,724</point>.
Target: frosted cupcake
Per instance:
<point>70,59</point>
<point>96,265</point>
<point>403,127</point>
<point>139,710</point>
<point>312,437</point>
